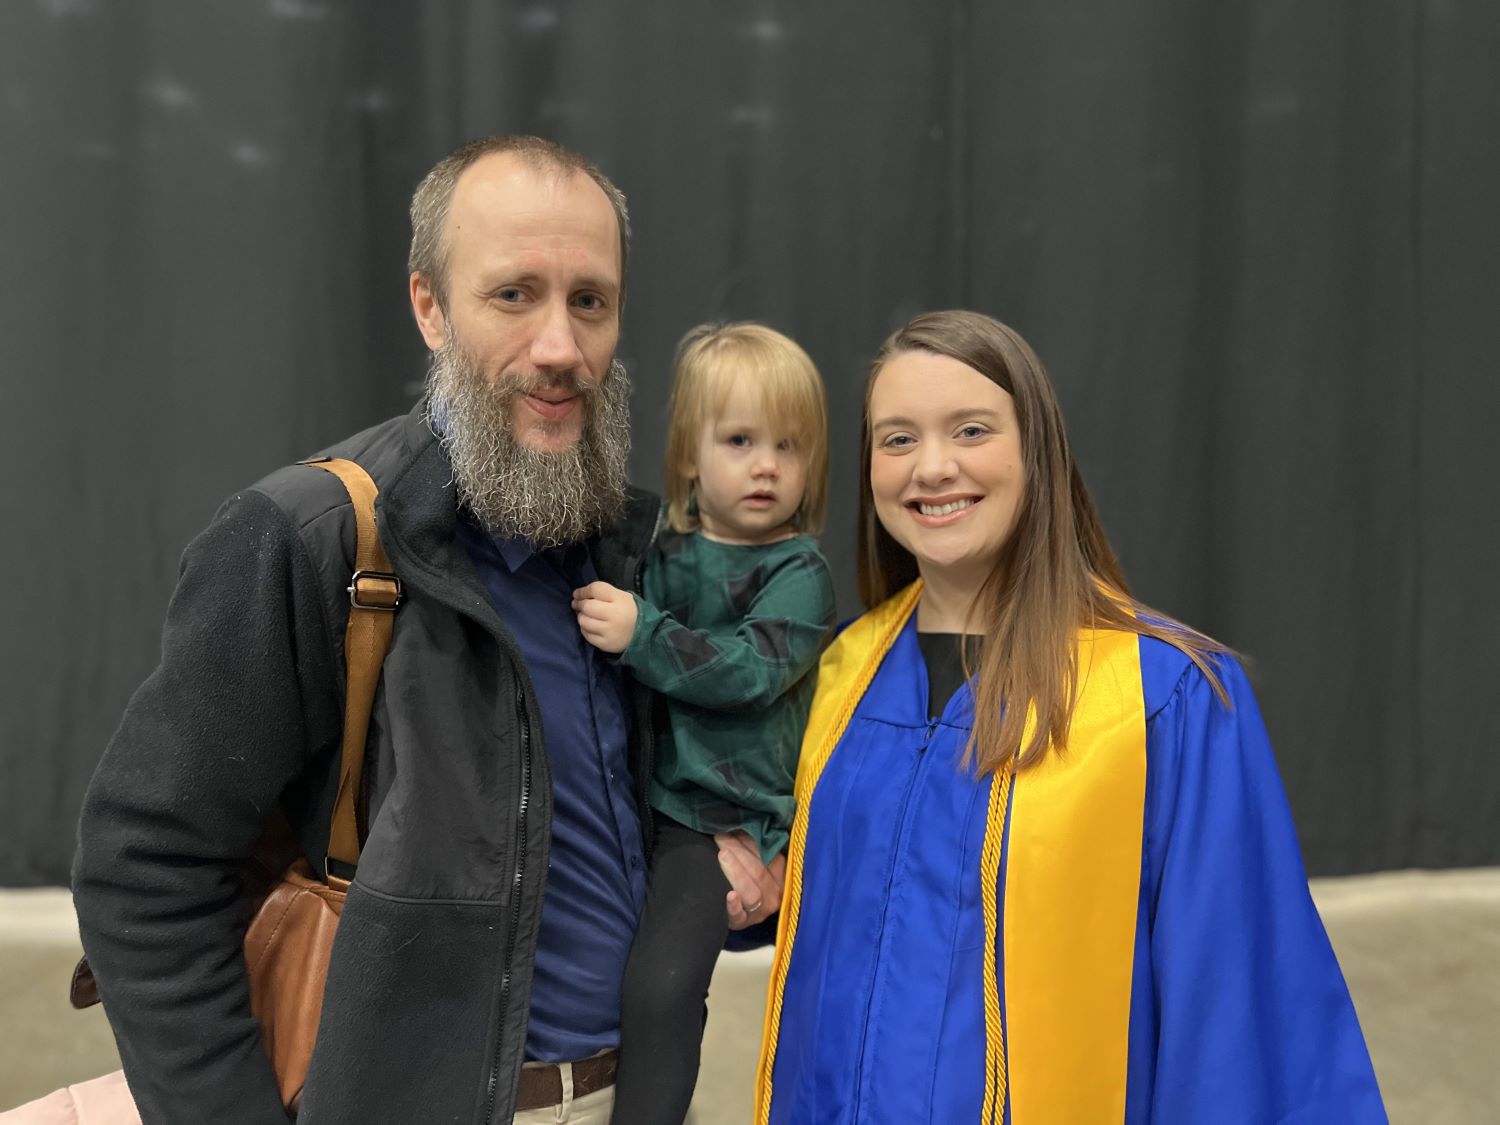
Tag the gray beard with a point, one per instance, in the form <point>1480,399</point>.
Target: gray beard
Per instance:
<point>547,499</point>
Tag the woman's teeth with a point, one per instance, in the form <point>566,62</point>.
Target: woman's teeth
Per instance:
<point>944,509</point>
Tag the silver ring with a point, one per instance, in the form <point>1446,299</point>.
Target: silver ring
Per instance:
<point>753,909</point>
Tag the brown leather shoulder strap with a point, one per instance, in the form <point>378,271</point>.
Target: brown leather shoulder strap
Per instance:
<point>374,594</point>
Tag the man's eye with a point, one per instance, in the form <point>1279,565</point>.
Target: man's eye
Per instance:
<point>510,294</point>
<point>590,302</point>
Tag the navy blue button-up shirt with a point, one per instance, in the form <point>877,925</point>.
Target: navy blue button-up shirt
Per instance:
<point>596,878</point>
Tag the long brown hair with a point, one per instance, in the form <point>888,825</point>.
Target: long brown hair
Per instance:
<point>1055,575</point>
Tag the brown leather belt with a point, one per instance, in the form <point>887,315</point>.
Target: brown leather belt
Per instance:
<point>542,1085</point>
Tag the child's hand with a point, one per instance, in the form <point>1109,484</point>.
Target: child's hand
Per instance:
<point>606,615</point>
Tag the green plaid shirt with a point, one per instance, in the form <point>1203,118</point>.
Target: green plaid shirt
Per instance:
<point>731,636</point>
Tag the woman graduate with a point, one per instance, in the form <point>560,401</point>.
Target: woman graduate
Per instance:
<point>1064,888</point>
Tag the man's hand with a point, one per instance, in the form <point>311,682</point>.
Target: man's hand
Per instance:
<point>757,888</point>
<point>606,614</point>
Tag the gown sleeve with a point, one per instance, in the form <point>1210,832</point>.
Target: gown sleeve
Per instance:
<point>1255,1023</point>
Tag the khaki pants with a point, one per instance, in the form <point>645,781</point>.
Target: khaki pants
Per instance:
<point>107,1101</point>
<point>592,1109</point>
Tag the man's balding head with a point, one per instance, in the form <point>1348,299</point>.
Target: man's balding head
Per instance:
<point>431,203</point>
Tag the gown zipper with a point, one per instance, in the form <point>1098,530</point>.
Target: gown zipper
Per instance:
<point>904,823</point>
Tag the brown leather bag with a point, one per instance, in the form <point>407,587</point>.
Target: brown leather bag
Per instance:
<point>290,936</point>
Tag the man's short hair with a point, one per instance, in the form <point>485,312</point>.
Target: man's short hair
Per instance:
<point>434,196</point>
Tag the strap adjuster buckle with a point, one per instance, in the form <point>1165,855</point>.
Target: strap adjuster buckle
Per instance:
<point>337,874</point>
<point>375,589</point>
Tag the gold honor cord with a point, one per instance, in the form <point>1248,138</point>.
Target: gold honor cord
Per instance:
<point>844,674</point>
<point>993,1112</point>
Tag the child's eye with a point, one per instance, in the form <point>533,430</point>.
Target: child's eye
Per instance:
<point>787,445</point>
<point>739,441</point>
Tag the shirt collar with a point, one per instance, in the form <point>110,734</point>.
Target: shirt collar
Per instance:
<point>514,552</point>
<point>569,559</point>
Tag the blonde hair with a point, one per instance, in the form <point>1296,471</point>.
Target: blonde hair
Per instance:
<point>710,358</point>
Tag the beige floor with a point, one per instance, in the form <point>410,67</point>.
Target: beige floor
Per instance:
<point>1421,951</point>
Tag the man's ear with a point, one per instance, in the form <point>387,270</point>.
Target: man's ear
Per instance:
<point>429,313</point>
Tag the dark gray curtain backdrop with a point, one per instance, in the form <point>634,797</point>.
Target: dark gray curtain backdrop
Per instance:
<point>1256,243</point>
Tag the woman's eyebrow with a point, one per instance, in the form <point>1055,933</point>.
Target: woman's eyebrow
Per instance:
<point>965,412</point>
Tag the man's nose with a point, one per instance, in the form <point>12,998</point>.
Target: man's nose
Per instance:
<point>555,345</point>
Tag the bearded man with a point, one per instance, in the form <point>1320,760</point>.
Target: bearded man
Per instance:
<point>477,965</point>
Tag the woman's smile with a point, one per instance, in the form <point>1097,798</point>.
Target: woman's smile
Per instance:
<point>942,512</point>
<point>946,468</point>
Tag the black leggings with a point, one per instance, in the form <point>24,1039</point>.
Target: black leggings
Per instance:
<point>663,1007</point>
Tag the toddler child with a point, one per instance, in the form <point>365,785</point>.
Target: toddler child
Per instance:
<point>736,608</point>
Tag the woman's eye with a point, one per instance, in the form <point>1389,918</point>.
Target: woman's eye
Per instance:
<point>896,441</point>
<point>972,431</point>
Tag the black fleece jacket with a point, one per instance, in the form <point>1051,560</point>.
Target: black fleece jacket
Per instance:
<point>424,1017</point>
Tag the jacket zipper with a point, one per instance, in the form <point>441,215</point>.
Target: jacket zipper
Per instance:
<point>645,717</point>
<point>503,1007</point>
<point>859,1076</point>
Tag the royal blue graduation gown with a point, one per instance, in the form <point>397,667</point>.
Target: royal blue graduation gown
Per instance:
<point>1168,968</point>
